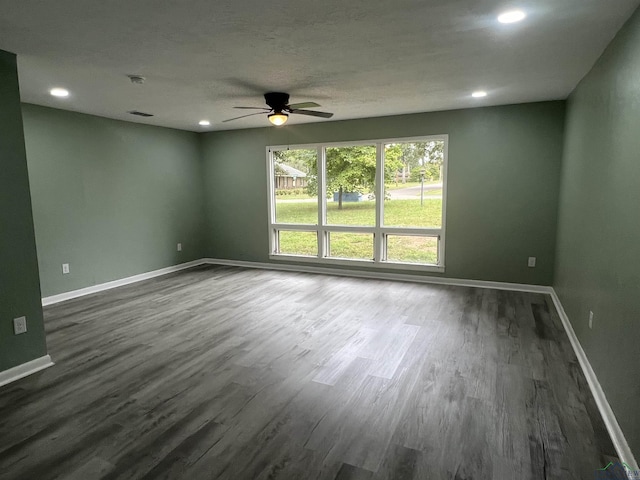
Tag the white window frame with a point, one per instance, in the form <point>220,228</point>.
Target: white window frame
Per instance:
<point>378,231</point>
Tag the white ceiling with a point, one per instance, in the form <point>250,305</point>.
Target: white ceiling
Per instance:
<point>357,58</point>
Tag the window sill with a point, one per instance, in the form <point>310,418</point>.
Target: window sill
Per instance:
<point>358,263</point>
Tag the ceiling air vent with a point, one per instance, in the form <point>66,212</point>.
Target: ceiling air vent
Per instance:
<point>140,114</point>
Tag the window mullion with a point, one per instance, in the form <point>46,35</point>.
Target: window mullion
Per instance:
<point>378,247</point>
<point>273,235</point>
<point>322,203</point>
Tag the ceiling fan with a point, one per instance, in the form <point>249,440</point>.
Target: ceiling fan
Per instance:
<point>279,109</point>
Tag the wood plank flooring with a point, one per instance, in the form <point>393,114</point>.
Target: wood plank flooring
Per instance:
<point>230,373</point>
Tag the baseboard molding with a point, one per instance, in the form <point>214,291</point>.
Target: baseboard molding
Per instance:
<point>62,297</point>
<point>615,432</point>
<point>118,283</point>
<point>24,370</point>
<point>403,277</point>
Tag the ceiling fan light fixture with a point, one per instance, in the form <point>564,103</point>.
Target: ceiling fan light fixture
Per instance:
<point>278,118</point>
<point>278,103</point>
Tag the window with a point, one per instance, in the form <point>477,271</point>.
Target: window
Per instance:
<point>379,203</point>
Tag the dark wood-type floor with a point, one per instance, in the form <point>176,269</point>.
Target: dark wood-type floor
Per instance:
<point>232,373</point>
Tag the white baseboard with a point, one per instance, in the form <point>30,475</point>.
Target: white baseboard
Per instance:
<point>519,287</point>
<point>403,277</point>
<point>615,432</point>
<point>117,283</point>
<point>24,370</point>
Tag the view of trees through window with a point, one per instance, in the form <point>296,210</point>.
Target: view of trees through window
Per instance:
<point>410,208</point>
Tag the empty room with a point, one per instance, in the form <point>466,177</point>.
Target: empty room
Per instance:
<point>319,240</point>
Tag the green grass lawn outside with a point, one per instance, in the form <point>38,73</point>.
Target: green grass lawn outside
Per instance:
<point>412,249</point>
<point>300,195</point>
<point>397,213</point>
<point>406,248</point>
<point>295,196</point>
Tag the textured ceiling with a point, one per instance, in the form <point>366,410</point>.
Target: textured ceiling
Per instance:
<point>357,58</point>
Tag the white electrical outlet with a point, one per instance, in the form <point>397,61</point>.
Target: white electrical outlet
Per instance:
<point>590,319</point>
<point>65,268</point>
<point>179,247</point>
<point>532,262</point>
<point>19,325</point>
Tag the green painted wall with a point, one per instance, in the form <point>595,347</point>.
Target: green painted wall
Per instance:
<point>598,250</point>
<point>110,198</point>
<point>504,171</point>
<point>19,286</point>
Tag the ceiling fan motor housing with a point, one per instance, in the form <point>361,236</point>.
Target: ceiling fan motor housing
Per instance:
<point>277,100</point>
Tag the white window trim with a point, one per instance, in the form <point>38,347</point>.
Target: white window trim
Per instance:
<point>378,231</point>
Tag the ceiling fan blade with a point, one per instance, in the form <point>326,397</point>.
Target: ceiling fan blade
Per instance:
<point>254,108</point>
<point>313,113</point>
<point>237,118</point>
<point>303,105</point>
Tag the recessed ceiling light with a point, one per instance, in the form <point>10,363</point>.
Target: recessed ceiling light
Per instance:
<point>59,92</point>
<point>512,16</point>
<point>479,94</point>
<point>204,123</point>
